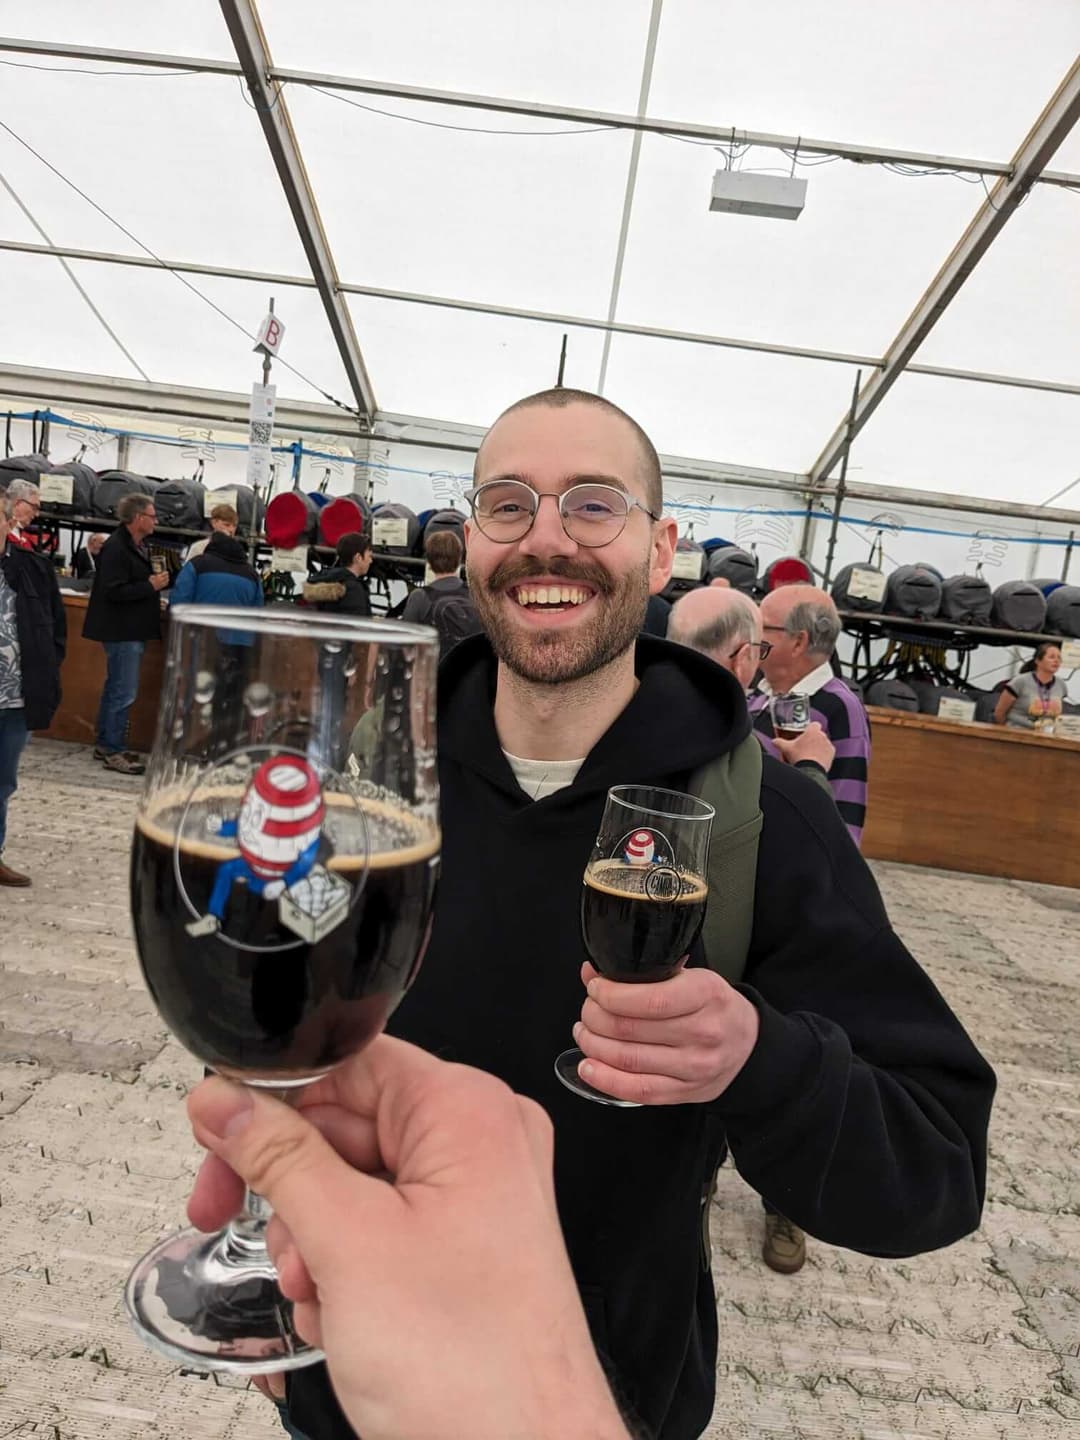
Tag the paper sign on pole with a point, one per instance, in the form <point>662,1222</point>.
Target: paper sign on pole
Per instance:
<point>950,708</point>
<point>389,531</point>
<point>1070,654</point>
<point>260,436</point>
<point>292,560</point>
<point>214,498</point>
<point>270,334</point>
<point>56,489</point>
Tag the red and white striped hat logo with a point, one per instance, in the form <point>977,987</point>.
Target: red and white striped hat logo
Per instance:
<point>641,847</point>
<point>281,814</point>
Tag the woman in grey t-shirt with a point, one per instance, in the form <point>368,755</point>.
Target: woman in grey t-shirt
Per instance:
<point>1032,701</point>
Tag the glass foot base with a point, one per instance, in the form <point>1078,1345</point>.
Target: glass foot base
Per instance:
<point>566,1069</point>
<point>186,1301</point>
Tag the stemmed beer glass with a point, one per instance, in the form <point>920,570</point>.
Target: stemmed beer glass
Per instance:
<point>645,890</point>
<point>283,871</point>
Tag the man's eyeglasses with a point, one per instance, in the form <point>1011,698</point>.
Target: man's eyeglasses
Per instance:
<point>592,514</point>
<point>763,647</point>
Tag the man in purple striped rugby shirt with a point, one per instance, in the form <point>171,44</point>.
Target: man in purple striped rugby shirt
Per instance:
<point>802,626</point>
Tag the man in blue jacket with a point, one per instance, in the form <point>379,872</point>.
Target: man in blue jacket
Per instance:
<point>221,575</point>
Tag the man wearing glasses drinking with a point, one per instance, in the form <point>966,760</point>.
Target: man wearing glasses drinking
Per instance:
<point>847,1091</point>
<point>802,627</point>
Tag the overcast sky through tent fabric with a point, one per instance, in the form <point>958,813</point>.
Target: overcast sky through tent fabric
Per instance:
<point>530,216</point>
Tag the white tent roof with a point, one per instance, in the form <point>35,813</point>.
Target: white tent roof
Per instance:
<point>571,217</point>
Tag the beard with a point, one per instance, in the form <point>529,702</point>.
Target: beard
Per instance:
<point>552,657</point>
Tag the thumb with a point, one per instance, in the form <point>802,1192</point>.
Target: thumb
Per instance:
<point>284,1158</point>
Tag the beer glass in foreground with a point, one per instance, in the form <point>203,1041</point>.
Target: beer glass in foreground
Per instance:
<point>282,877</point>
<point>643,902</point>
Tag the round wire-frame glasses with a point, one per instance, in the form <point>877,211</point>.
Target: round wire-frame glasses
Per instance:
<point>592,513</point>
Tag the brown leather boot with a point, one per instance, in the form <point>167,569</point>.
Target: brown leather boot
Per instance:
<point>12,877</point>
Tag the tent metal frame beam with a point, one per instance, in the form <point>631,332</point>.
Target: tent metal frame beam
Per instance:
<point>1061,113</point>
<point>652,34</point>
<point>713,134</point>
<point>95,393</point>
<point>253,53</point>
<point>583,322</point>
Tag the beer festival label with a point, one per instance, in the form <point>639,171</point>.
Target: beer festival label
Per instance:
<point>274,846</point>
<point>651,852</point>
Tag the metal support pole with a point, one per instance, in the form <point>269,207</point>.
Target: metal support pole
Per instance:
<point>267,360</point>
<point>841,484</point>
<point>562,363</point>
<point>1068,555</point>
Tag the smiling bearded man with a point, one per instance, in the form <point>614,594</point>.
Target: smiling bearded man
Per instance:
<point>846,1089</point>
<point>561,608</point>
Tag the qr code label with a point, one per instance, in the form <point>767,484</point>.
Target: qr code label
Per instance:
<point>261,430</point>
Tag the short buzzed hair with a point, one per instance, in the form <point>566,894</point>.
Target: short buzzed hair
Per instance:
<point>733,625</point>
<point>561,397</point>
<point>443,551</point>
<point>129,506</point>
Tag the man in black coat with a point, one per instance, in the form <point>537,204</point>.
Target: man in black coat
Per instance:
<point>124,612</point>
<point>844,1086</point>
<point>33,634</point>
<point>342,589</point>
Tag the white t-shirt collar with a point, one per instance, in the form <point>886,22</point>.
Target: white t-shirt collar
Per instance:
<point>540,778</point>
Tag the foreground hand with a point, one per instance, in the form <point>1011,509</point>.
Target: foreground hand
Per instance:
<point>159,579</point>
<point>676,1042</point>
<point>443,1295</point>
<point>812,744</point>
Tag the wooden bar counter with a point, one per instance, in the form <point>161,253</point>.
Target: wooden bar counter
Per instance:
<point>82,679</point>
<point>981,798</point>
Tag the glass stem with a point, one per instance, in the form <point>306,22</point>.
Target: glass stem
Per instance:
<point>244,1238</point>
<point>243,1241</point>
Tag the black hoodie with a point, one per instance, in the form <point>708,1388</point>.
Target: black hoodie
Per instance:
<point>861,1113</point>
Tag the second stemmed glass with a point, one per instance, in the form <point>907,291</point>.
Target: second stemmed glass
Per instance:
<point>645,890</point>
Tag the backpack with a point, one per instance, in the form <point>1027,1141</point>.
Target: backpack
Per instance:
<point>731,784</point>
<point>453,615</point>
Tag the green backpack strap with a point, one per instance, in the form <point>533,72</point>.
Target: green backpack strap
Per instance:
<point>731,784</point>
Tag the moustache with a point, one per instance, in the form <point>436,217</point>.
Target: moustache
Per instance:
<point>516,571</point>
